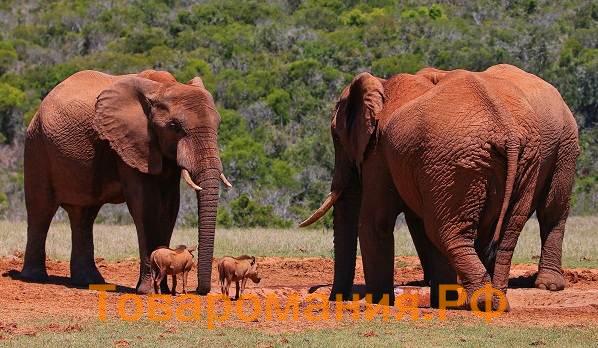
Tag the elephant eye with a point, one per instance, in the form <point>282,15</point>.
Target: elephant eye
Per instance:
<point>174,125</point>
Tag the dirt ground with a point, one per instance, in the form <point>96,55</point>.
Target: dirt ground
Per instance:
<point>57,302</point>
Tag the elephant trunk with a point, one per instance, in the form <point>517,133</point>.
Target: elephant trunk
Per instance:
<point>207,207</point>
<point>198,157</point>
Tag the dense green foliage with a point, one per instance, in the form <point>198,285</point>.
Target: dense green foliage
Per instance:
<point>276,67</point>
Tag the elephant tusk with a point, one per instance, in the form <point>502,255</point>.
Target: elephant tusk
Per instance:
<point>328,203</point>
<point>225,180</point>
<point>189,181</point>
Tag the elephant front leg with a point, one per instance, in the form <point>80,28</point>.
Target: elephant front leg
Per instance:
<point>83,268</point>
<point>153,203</point>
<point>378,214</point>
<point>377,250</point>
<point>146,246</point>
<point>346,219</point>
<point>421,243</point>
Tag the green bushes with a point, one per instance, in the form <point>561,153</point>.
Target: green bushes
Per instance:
<point>12,100</point>
<point>244,212</point>
<point>275,69</point>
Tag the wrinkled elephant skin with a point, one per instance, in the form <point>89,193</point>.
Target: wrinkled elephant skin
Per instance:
<point>99,139</point>
<point>468,157</point>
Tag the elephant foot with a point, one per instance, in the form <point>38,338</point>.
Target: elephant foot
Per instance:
<point>346,294</point>
<point>203,290</point>
<point>340,296</point>
<point>497,303</point>
<point>34,274</point>
<point>91,275</point>
<point>145,287</point>
<point>550,280</point>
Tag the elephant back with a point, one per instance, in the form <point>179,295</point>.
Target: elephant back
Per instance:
<point>64,118</point>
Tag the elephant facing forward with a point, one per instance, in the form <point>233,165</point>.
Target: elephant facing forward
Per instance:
<point>468,157</point>
<point>99,139</point>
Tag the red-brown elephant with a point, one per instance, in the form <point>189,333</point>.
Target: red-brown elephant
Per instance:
<point>467,156</point>
<point>100,139</point>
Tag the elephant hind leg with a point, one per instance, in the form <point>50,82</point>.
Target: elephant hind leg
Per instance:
<point>552,216</point>
<point>453,224</point>
<point>437,269</point>
<point>515,219</point>
<point>459,247</point>
<point>83,268</point>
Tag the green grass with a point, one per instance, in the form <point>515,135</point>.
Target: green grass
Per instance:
<point>114,242</point>
<point>360,334</point>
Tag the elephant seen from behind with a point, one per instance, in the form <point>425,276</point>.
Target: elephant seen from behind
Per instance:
<point>468,157</point>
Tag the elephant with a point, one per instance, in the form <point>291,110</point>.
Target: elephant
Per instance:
<point>468,157</point>
<point>99,138</point>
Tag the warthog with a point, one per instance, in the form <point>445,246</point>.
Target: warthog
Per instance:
<point>237,269</point>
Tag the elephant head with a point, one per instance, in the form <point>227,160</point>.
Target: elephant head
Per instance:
<point>149,119</point>
<point>354,124</point>
<point>353,127</point>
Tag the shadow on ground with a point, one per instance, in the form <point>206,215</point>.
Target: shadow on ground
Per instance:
<point>62,281</point>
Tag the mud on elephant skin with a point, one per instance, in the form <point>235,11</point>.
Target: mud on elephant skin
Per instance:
<point>467,156</point>
<point>98,139</point>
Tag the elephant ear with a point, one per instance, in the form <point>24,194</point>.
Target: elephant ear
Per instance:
<point>122,116</point>
<point>357,113</point>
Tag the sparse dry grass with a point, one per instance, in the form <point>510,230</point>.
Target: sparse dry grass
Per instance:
<point>375,333</point>
<point>114,242</point>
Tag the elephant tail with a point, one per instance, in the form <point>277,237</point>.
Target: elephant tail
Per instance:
<point>512,160</point>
